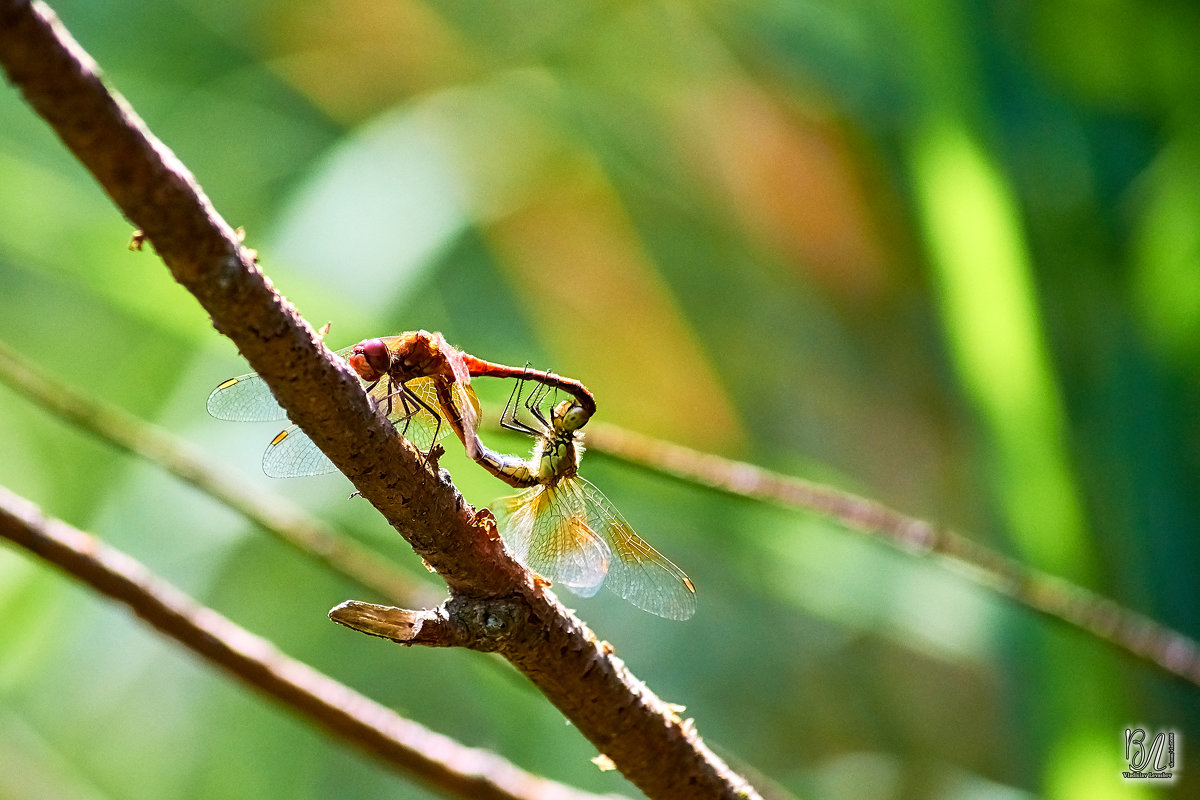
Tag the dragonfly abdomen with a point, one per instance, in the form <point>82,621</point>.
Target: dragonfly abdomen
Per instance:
<point>514,471</point>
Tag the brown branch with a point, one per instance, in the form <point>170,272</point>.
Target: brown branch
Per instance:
<point>430,627</point>
<point>641,734</point>
<point>276,516</point>
<point>432,758</point>
<point>1054,597</point>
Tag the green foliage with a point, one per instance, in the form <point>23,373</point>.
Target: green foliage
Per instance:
<point>944,255</point>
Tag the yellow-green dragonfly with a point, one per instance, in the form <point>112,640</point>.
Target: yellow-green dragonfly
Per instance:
<point>563,528</point>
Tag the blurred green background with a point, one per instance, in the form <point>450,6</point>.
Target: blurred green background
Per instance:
<point>943,254</point>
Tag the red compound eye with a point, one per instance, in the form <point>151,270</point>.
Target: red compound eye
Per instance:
<point>371,359</point>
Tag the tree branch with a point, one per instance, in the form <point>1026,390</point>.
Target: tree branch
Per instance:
<point>432,758</point>
<point>642,735</point>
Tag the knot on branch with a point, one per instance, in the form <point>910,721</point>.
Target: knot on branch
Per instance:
<point>492,623</point>
<point>486,625</point>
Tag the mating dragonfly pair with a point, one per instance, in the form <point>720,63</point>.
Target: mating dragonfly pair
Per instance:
<point>558,525</point>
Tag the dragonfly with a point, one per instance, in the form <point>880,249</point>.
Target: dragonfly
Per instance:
<point>563,528</point>
<point>414,378</point>
<point>414,356</point>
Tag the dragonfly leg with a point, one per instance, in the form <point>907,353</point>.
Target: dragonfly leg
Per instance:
<point>480,368</point>
<point>509,419</point>
<point>535,400</point>
<point>411,405</point>
<point>433,455</point>
<point>386,403</point>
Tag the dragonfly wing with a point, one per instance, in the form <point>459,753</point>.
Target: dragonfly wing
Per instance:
<point>467,405</point>
<point>638,572</point>
<point>413,419</point>
<point>464,395</point>
<point>292,454</point>
<point>514,519</point>
<point>246,398</point>
<point>546,529</point>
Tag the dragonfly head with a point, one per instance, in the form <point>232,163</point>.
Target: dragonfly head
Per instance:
<point>568,416</point>
<point>371,359</point>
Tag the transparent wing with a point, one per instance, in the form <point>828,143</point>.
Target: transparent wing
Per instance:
<point>637,572</point>
<point>466,407</point>
<point>292,454</point>
<point>462,396</point>
<point>246,398</point>
<point>412,418</point>
<point>546,529</point>
<point>470,406</point>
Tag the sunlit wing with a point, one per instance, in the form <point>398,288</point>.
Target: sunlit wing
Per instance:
<point>546,529</point>
<point>467,405</point>
<point>463,396</point>
<point>292,454</point>
<point>411,418</point>
<point>637,572</point>
<point>246,398</point>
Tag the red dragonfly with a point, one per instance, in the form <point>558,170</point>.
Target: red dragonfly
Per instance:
<point>413,378</point>
<point>411,357</point>
<point>416,378</point>
<point>563,528</point>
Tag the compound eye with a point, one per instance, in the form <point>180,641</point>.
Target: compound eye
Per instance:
<point>570,416</point>
<point>371,359</point>
<point>377,354</point>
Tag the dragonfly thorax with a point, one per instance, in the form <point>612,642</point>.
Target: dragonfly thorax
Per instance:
<point>418,355</point>
<point>555,456</point>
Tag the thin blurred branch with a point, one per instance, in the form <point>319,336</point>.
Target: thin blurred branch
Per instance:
<point>408,747</point>
<point>494,598</point>
<point>273,514</point>
<point>1056,598</point>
